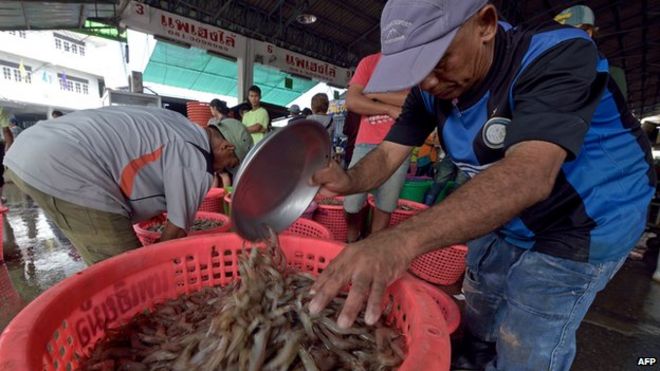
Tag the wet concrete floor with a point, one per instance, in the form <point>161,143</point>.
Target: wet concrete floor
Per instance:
<point>622,325</point>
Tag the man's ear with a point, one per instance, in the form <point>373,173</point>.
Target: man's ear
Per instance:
<point>487,23</point>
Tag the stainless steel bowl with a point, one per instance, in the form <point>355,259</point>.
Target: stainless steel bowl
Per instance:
<point>272,186</point>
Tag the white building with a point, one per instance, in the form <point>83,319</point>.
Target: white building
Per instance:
<point>56,70</point>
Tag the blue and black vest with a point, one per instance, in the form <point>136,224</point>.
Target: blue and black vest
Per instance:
<point>597,209</point>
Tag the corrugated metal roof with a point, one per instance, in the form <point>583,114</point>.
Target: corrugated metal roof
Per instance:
<point>33,15</point>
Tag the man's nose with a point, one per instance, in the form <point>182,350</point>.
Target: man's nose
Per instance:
<point>429,82</point>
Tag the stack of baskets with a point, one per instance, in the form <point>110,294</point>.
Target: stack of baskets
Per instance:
<point>332,217</point>
<point>199,113</point>
<point>213,201</point>
<point>442,267</point>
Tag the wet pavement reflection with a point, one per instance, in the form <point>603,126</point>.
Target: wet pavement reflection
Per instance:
<point>36,254</point>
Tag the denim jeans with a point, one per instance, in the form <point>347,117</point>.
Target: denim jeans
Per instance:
<point>530,304</point>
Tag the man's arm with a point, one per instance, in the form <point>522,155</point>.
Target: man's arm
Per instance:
<point>372,171</point>
<point>358,102</point>
<point>255,128</point>
<point>9,137</point>
<point>171,232</point>
<point>395,98</point>
<point>524,177</point>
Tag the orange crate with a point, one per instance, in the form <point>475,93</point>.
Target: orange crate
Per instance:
<point>213,201</point>
<point>148,237</point>
<point>69,319</point>
<point>332,217</point>
<point>308,228</point>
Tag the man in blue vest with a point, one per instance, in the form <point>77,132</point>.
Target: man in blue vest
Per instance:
<point>561,177</point>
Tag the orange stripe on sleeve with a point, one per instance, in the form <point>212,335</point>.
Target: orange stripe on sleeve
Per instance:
<point>130,171</point>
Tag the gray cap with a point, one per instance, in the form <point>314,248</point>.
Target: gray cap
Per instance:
<point>414,37</point>
<point>576,16</point>
<point>235,133</point>
<point>294,109</point>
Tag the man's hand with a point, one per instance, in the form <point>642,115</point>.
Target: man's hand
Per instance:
<point>394,112</point>
<point>171,232</point>
<point>333,180</point>
<point>369,266</point>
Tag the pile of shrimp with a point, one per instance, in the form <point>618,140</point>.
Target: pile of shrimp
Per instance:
<point>258,323</point>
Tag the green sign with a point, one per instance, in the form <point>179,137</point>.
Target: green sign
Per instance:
<point>103,30</point>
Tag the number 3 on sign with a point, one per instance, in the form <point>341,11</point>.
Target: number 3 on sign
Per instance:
<point>646,361</point>
<point>139,9</point>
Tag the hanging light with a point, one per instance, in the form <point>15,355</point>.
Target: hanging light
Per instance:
<point>306,18</point>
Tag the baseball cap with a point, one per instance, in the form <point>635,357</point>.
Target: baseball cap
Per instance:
<point>236,133</point>
<point>414,36</point>
<point>576,15</point>
<point>294,109</point>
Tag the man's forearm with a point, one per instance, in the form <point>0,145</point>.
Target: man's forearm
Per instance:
<point>483,204</point>
<point>376,167</point>
<point>256,128</point>
<point>395,99</point>
<point>366,106</point>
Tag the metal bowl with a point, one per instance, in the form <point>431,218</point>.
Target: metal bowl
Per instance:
<point>272,186</point>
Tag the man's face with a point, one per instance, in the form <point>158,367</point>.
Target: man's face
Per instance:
<point>465,62</point>
<point>223,154</point>
<point>254,98</point>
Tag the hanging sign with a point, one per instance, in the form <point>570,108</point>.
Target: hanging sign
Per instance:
<point>301,65</point>
<point>142,17</point>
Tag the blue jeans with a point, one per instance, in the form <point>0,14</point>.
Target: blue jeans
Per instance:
<point>530,304</point>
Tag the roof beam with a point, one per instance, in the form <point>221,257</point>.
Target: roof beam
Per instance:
<point>27,24</point>
<point>276,8</point>
<point>222,9</point>
<point>364,35</point>
<point>644,50</point>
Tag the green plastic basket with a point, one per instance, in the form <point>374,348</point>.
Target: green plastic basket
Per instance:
<point>414,190</point>
<point>449,187</point>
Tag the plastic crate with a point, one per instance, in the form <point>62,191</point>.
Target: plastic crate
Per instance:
<point>3,211</point>
<point>308,228</point>
<point>148,237</point>
<point>442,267</point>
<point>309,212</point>
<point>213,201</point>
<point>399,215</point>
<point>332,217</point>
<point>68,320</point>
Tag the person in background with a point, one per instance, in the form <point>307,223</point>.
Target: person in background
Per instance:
<point>295,113</point>
<point>131,164</point>
<point>7,141</point>
<point>223,121</point>
<point>582,17</point>
<point>306,112</point>
<point>55,114</point>
<point>15,129</point>
<point>320,104</point>
<point>561,179</point>
<point>351,128</point>
<point>256,119</point>
<point>378,114</point>
<point>427,155</point>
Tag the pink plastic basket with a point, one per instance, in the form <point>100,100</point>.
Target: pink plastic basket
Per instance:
<point>66,321</point>
<point>442,267</point>
<point>399,215</point>
<point>309,212</point>
<point>308,228</point>
<point>446,303</point>
<point>3,211</point>
<point>332,217</point>
<point>148,237</point>
<point>213,201</point>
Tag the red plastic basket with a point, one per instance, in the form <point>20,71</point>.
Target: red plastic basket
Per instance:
<point>308,228</point>
<point>3,211</point>
<point>399,215</point>
<point>198,112</point>
<point>10,299</point>
<point>446,303</point>
<point>68,320</point>
<point>148,237</point>
<point>442,267</point>
<point>213,201</point>
<point>332,217</point>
